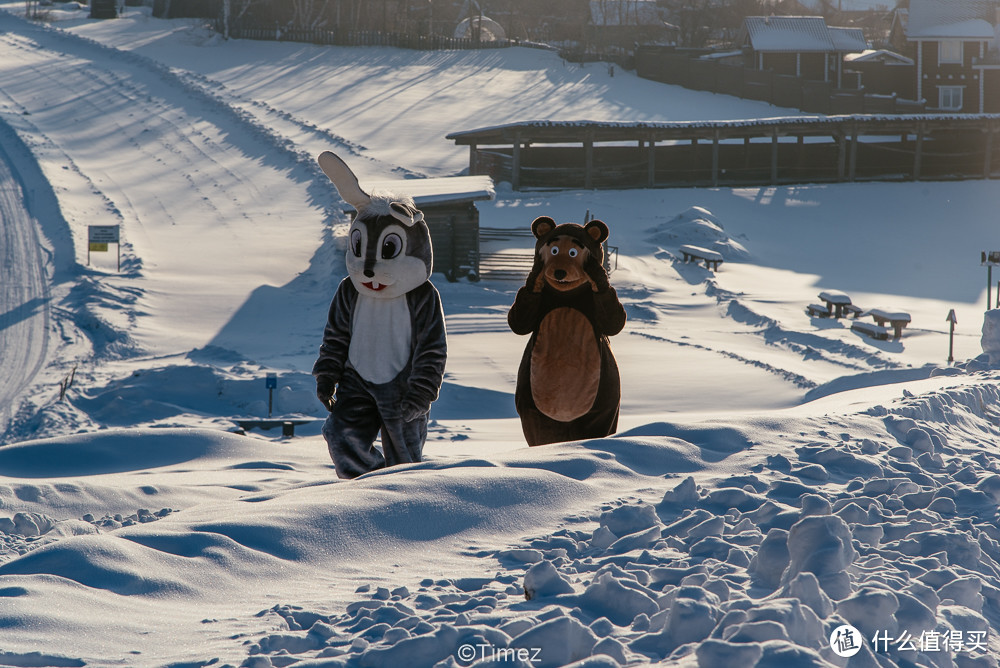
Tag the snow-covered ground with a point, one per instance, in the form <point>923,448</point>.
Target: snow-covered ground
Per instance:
<point>776,475</point>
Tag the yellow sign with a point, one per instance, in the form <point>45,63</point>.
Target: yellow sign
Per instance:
<point>102,248</point>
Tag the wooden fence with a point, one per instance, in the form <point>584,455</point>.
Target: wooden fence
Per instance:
<point>821,97</point>
<point>345,37</point>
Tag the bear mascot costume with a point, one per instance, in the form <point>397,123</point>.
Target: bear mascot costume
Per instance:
<point>568,387</point>
<point>383,354</point>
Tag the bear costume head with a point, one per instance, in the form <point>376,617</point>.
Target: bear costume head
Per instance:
<point>389,244</point>
<point>564,252</point>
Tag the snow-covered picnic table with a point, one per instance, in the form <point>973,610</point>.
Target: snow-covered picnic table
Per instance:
<point>712,258</point>
<point>897,319</point>
<point>836,302</point>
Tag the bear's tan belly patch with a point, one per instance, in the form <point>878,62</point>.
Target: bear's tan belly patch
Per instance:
<point>565,365</point>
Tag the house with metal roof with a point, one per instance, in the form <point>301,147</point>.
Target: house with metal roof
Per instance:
<point>956,54</point>
<point>802,46</point>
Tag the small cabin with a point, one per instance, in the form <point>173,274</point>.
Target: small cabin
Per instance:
<point>449,207</point>
<point>801,46</point>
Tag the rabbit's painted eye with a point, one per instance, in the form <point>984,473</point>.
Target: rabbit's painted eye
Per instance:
<point>356,242</point>
<point>391,246</point>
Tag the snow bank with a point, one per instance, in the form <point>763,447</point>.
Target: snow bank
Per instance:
<point>991,335</point>
<point>697,226</point>
<point>757,568</point>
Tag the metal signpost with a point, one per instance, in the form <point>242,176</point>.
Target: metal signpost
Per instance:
<point>98,238</point>
<point>271,382</point>
<point>953,319</point>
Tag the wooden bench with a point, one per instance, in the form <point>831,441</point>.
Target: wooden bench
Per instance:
<point>818,311</point>
<point>712,259</point>
<point>852,311</point>
<point>836,301</point>
<point>287,425</point>
<point>870,329</point>
<point>897,319</point>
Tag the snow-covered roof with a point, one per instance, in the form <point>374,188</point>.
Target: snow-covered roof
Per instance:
<point>850,40</point>
<point>625,13</point>
<point>800,34</point>
<point>438,190</point>
<point>878,55</point>
<point>951,19</point>
<point>847,5</point>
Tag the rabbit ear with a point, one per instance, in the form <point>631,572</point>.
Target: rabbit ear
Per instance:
<point>406,215</point>
<point>344,180</point>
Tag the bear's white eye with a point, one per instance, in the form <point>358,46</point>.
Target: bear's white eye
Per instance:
<point>391,246</point>
<point>573,252</point>
<point>555,250</point>
<point>356,242</point>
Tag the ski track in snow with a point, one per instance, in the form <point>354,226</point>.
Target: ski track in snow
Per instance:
<point>25,300</point>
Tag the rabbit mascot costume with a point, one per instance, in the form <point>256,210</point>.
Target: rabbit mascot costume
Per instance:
<point>382,359</point>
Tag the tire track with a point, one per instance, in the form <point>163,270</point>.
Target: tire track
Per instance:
<point>25,298</point>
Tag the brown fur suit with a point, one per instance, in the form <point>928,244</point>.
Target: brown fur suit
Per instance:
<point>568,387</point>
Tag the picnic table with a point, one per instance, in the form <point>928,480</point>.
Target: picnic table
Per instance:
<point>711,258</point>
<point>836,302</point>
<point>896,319</point>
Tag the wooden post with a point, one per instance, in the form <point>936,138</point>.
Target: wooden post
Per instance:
<point>774,156</point>
<point>473,162</point>
<point>988,157</point>
<point>588,148</point>
<point>917,151</point>
<point>515,169</point>
<point>841,155</point>
<point>853,162</point>
<point>715,158</point>
<point>651,162</point>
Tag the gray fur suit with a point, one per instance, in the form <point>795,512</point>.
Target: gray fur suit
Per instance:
<point>382,359</point>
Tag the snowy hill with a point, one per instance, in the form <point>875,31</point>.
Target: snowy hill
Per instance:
<point>776,475</point>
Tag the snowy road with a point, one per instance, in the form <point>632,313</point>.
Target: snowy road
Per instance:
<point>187,171</point>
<point>24,295</point>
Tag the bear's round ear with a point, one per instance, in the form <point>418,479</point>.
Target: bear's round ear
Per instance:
<point>542,226</point>
<point>597,230</point>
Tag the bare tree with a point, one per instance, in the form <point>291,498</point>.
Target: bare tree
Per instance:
<point>233,12</point>
<point>697,20</point>
<point>308,13</point>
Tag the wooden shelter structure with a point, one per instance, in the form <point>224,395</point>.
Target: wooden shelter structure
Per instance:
<point>800,149</point>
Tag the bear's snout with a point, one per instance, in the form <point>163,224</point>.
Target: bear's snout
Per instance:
<point>563,258</point>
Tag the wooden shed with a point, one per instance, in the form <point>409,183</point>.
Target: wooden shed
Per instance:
<point>449,207</point>
<point>103,9</point>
